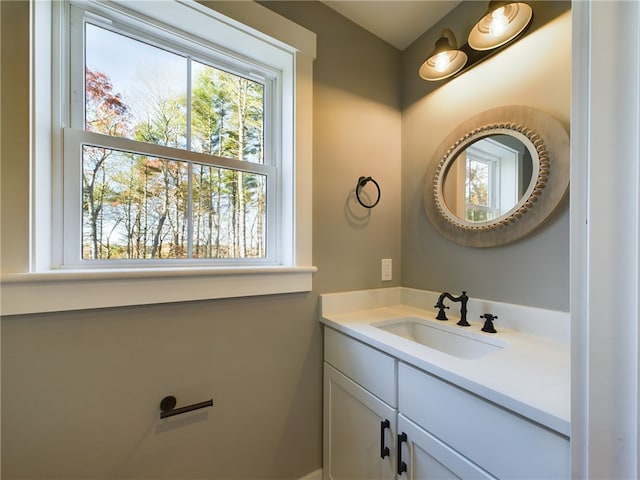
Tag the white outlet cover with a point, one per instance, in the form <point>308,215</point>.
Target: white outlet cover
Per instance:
<point>387,269</point>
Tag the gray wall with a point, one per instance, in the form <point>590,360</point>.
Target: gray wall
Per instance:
<point>534,72</point>
<point>357,121</point>
<point>80,390</point>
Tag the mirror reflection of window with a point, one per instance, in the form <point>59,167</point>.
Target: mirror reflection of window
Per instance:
<point>488,178</point>
<point>480,192</point>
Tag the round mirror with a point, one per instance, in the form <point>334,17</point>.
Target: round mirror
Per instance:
<point>498,176</point>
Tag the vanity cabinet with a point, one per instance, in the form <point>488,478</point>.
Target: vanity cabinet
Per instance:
<point>359,431</point>
<point>431,428</point>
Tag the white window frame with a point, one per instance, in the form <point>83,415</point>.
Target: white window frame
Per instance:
<point>75,136</point>
<point>251,30</point>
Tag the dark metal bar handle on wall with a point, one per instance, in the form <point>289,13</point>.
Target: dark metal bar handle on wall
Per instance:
<point>362,181</point>
<point>168,404</point>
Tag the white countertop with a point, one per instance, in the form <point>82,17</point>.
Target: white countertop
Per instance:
<point>530,376</point>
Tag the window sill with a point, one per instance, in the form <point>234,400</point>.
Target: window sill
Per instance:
<point>64,290</point>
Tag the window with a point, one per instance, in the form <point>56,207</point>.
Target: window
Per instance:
<point>494,181</point>
<point>171,155</point>
<point>480,191</point>
<point>177,145</point>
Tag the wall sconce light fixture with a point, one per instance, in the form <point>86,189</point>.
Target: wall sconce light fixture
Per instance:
<point>445,60</point>
<point>504,22</point>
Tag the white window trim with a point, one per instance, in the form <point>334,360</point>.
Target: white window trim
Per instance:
<point>44,289</point>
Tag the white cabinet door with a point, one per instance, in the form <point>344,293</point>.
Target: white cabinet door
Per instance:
<point>503,443</point>
<point>359,431</point>
<point>422,456</point>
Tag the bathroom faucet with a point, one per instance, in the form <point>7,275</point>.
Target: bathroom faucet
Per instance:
<point>463,299</point>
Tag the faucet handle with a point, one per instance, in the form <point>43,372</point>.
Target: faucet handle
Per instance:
<point>488,323</point>
<point>441,315</point>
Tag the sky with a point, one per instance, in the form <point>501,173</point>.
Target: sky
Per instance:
<point>134,67</point>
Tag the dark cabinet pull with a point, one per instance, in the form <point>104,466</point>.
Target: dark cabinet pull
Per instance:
<point>384,451</point>
<point>402,466</point>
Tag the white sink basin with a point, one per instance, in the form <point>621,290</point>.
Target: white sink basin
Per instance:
<point>450,340</point>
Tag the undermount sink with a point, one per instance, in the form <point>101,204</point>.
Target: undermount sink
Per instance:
<point>447,339</point>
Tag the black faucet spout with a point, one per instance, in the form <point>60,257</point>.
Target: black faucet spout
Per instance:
<point>463,299</point>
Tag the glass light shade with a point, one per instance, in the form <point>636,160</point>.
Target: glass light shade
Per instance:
<point>445,60</point>
<point>501,24</point>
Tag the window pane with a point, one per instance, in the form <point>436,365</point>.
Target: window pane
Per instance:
<point>134,206</point>
<point>229,209</point>
<point>133,89</point>
<point>227,117</point>
<point>478,191</point>
<point>137,207</point>
<point>477,183</point>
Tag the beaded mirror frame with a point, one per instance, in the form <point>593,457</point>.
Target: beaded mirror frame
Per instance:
<point>548,143</point>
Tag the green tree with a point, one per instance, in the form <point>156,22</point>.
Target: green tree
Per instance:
<point>227,121</point>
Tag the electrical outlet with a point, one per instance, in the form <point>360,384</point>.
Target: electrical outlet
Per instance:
<point>386,269</point>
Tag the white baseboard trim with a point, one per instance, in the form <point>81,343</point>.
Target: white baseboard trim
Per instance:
<point>317,475</point>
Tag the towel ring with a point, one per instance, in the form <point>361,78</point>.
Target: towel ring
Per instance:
<point>362,181</point>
